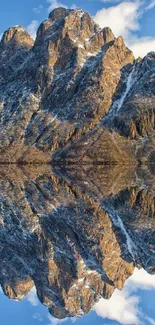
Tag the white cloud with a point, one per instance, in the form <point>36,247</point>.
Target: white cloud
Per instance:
<point>38,317</point>
<point>142,280</point>
<point>55,4</point>
<point>38,9</point>
<point>122,18</point>
<point>32,297</point>
<point>112,1</point>
<point>141,46</point>
<point>32,28</point>
<point>123,306</point>
<point>151,5</point>
<point>150,320</point>
<point>55,321</point>
<point>73,6</point>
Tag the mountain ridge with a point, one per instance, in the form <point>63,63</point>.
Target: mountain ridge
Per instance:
<point>74,82</point>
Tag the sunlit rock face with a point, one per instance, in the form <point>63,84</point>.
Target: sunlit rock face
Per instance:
<point>75,93</point>
<point>75,234</point>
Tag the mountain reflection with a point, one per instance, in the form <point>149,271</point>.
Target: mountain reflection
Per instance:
<point>75,234</point>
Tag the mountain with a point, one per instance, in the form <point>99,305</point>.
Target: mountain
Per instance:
<point>75,94</point>
<point>77,193</point>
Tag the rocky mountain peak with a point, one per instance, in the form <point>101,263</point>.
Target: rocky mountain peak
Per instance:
<point>76,82</point>
<point>75,24</point>
<point>59,13</point>
<point>17,36</point>
<point>14,48</point>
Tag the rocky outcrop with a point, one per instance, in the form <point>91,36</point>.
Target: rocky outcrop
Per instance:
<point>134,117</point>
<point>14,48</point>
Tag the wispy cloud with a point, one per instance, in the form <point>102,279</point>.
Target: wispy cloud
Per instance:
<point>38,9</point>
<point>32,28</point>
<point>151,5</point>
<point>55,321</point>
<point>111,1</point>
<point>38,317</point>
<point>53,4</point>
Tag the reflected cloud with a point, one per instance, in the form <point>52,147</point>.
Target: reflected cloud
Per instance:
<point>150,320</point>
<point>32,297</point>
<point>142,280</point>
<point>124,306</point>
<point>121,307</point>
<point>55,321</point>
<point>38,317</point>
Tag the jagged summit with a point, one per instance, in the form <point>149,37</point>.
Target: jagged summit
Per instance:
<point>16,35</point>
<point>59,13</point>
<point>73,22</point>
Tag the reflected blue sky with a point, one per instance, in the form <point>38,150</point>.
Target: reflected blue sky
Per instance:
<point>134,305</point>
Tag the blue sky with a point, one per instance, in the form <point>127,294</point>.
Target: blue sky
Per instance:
<point>134,305</point>
<point>133,19</point>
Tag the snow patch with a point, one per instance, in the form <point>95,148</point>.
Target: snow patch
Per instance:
<point>92,54</point>
<point>91,271</point>
<point>81,280</point>
<point>119,223</point>
<point>19,27</point>
<point>80,46</point>
<point>130,82</point>
<point>53,207</point>
<point>53,119</point>
<point>75,286</point>
<point>74,39</point>
<point>80,13</point>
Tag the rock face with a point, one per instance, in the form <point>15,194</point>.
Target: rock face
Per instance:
<point>76,87</point>
<point>14,48</point>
